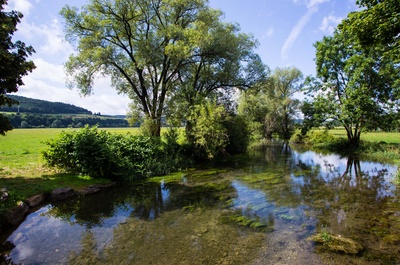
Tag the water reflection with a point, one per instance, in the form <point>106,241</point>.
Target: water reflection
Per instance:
<point>262,211</point>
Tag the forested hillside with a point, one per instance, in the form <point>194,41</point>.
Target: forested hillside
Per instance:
<point>35,113</point>
<point>43,107</point>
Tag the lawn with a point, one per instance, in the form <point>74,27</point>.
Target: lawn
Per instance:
<point>387,137</point>
<point>20,150</point>
<point>22,169</point>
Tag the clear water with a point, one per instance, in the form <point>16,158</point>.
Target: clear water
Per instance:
<point>262,209</point>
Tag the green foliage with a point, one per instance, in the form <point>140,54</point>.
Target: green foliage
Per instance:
<point>208,133</point>
<point>238,134</point>
<point>155,52</point>
<point>355,86</point>
<point>32,120</point>
<point>5,125</point>
<point>99,153</point>
<point>271,107</point>
<point>376,24</point>
<point>13,58</point>
<point>297,137</point>
<point>317,137</point>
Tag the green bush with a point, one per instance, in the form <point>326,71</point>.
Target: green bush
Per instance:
<point>298,137</point>
<point>238,134</point>
<point>101,154</point>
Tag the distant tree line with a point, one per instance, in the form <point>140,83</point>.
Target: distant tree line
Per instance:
<point>31,105</point>
<point>34,120</point>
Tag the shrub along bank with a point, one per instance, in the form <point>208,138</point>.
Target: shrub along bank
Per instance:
<point>100,154</point>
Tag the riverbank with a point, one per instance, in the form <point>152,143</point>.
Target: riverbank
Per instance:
<point>23,173</point>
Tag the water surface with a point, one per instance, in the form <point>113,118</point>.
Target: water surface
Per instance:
<point>262,209</point>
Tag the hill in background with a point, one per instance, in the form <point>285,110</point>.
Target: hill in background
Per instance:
<point>31,105</point>
<point>35,113</point>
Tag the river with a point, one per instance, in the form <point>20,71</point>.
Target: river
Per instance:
<point>261,208</point>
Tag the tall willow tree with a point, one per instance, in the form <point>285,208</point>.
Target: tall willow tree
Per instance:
<point>272,107</point>
<point>148,47</point>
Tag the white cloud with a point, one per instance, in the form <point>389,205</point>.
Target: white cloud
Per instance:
<point>23,6</point>
<point>310,3</point>
<point>329,24</point>
<point>49,36</point>
<point>47,82</point>
<point>48,71</point>
<point>111,104</point>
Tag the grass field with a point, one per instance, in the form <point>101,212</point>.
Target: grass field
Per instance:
<point>390,138</point>
<point>22,169</point>
<point>20,150</point>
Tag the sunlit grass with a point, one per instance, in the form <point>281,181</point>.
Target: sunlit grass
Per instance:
<point>22,169</point>
<point>387,137</point>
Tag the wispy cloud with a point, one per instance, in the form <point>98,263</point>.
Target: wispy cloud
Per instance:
<point>329,24</point>
<point>312,7</point>
<point>294,34</point>
<point>268,33</point>
<point>23,6</point>
<point>314,3</point>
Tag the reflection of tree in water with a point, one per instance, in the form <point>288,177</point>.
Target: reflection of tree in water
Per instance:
<point>145,200</point>
<point>92,210</point>
<point>348,201</point>
<point>355,203</point>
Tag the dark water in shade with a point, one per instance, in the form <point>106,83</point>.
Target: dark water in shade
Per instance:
<point>260,210</point>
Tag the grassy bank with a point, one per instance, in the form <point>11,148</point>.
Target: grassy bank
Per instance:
<point>375,146</point>
<point>381,137</point>
<point>22,169</point>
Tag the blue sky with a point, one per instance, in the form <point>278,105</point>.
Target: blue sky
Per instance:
<point>285,29</point>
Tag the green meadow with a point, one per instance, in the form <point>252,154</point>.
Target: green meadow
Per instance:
<point>386,137</point>
<point>23,171</point>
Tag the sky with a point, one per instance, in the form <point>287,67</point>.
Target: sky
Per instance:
<point>285,29</point>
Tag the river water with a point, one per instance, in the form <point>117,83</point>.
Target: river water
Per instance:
<point>257,209</point>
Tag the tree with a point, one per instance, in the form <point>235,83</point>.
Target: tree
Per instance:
<point>227,63</point>
<point>355,86</point>
<point>13,58</point>
<point>273,105</point>
<point>378,23</point>
<point>283,85</point>
<point>147,47</point>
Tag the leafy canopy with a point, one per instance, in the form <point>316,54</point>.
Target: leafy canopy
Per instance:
<point>355,85</point>
<point>13,58</point>
<point>154,50</point>
<point>271,108</point>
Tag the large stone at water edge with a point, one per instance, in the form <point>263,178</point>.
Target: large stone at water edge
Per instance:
<point>35,200</point>
<point>15,215</point>
<point>62,194</point>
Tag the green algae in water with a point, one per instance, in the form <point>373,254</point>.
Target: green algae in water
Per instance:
<point>174,177</point>
<point>245,221</point>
